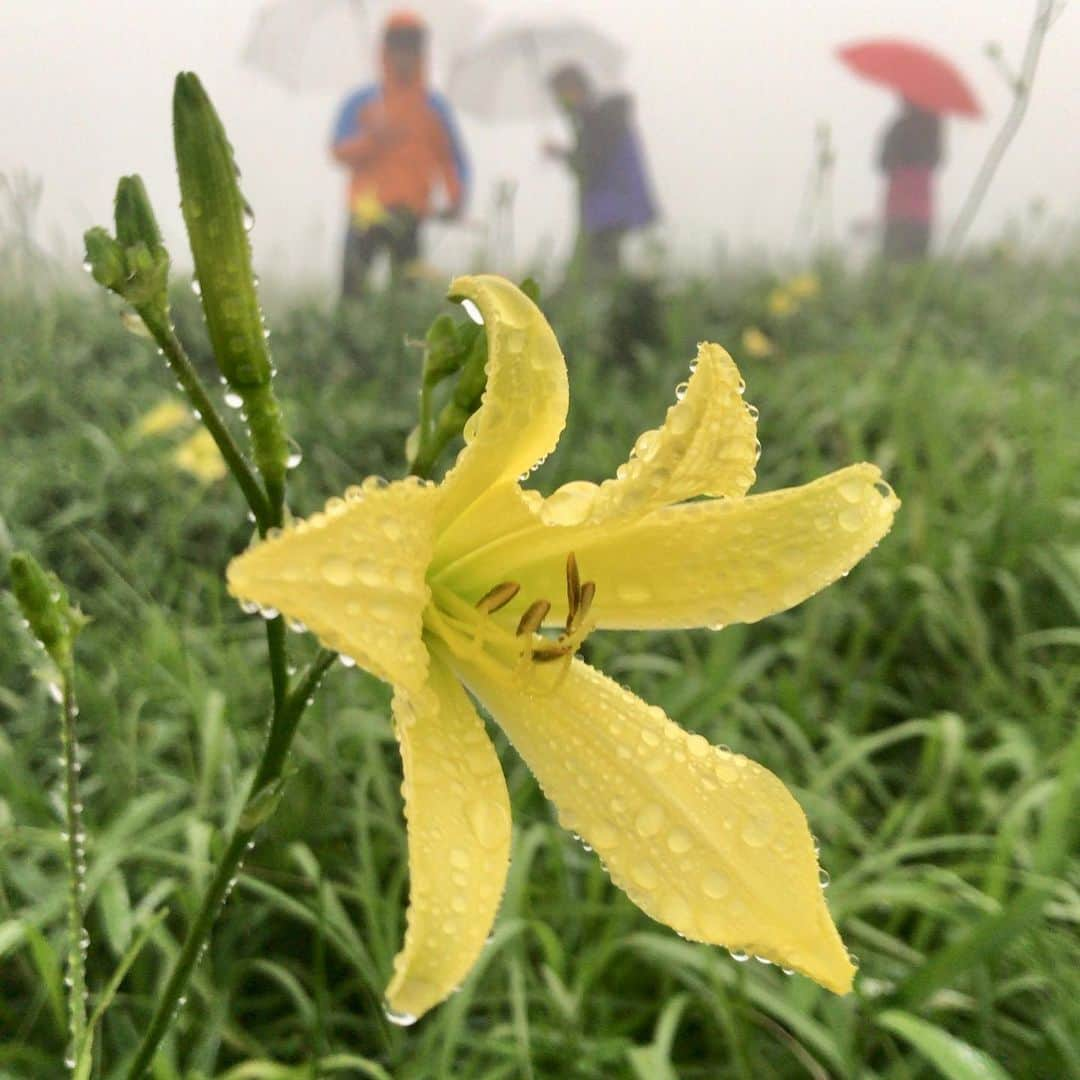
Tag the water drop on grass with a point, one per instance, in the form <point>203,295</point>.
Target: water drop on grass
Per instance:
<point>233,399</point>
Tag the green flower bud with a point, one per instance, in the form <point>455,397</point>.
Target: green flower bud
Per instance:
<point>105,259</point>
<point>44,604</point>
<point>218,219</point>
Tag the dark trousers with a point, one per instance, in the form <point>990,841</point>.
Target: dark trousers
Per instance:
<point>905,241</point>
<point>398,234</point>
<point>601,254</point>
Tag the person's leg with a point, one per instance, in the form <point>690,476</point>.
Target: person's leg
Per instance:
<point>404,241</point>
<point>603,255</point>
<point>361,247</point>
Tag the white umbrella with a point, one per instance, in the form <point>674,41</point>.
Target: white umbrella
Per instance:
<point>505,75</point>
<point>317,45</point>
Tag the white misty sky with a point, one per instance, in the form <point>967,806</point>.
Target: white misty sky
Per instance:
<point>728,98</point>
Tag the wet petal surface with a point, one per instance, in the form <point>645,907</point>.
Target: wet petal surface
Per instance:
<point>458,814</point>
<point>354,575</point>
<point>706,841</point>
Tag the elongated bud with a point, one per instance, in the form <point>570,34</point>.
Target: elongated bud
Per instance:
<point>135,221</point>
<point>217,219</point>
<point>44,604</point>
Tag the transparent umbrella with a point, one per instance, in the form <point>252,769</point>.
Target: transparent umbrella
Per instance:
<point>504,75</point>
<point>309,46</point>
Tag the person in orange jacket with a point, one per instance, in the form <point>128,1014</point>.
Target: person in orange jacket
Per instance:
<point>399,141</point>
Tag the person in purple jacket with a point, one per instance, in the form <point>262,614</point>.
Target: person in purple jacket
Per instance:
<point>607,159</point>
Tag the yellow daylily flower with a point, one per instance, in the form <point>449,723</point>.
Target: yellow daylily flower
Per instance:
<point>781,303</point>
<point>445,591</point>
<point>804,286</point>
<point>756,343</point>
<point>200,456</point>
<point>164,417</point>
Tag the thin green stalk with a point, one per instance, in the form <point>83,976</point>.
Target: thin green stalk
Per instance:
<point>76,859</point>
<point>181,366</point>
<point>269,773</point>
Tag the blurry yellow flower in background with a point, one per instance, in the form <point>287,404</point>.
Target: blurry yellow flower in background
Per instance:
<point>164,417</point>
<point>446,591</point>
<point>200,456</point>
<point>781,303</point>
<point>756,343</point>
<point>804,286</point>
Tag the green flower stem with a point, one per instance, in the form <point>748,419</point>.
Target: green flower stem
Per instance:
<point>162,330</point>
<point>76,859</point>
<point>269,773</point>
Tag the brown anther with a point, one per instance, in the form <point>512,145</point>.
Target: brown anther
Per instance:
<point>546,654</point>
<point>573,587</point>
<point>498,597</point>
<point>534,616</point>
<point>588,593</point>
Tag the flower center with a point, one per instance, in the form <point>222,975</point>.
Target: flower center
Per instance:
<point>475,634</point>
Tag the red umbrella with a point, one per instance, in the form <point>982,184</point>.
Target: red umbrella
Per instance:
<point>923,77</point>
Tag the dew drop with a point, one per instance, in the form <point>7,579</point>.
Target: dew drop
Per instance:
<point>716,884</point>
<point>196,286</point>
<point>679,840</point>
<point>233,399</point>
<point>649,820</point>
<point>56,693</point>
<point>472,311</point>
<point>823,877</point>
<point>739,956</point>
<point>337,571</point>
<point>400,1019</point>
<point>249,218</point>
<point>681,390</point>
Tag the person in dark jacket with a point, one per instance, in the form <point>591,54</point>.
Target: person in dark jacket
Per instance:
<point>607,159</point>
<point>910,152</point>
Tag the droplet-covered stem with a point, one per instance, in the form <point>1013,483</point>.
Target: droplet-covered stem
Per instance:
<point>179,363</point>
<point>76,860</point>
<point>271,766</point>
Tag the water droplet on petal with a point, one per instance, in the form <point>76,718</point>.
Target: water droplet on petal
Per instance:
<point>337,571</point>
<point>472,311</point>
<point>400,1019</point>
<point>649,820</point>
<point>716,884</point>
<point>739,956</point>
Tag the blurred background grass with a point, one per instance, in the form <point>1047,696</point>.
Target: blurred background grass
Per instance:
<point>923,709</point>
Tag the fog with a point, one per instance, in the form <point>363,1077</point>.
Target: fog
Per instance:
<point>728,96</point>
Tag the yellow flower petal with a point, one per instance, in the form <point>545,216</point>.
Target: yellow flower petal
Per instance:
<point>703,840</point>
<point>199,456</point>
<point>354,575</point>
<point>703,563</point>
<point>164,417</point>
<point>458,814</point>
<point>706,446</point>
<point>524,406</point>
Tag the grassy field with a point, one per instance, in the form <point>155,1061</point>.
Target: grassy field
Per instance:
<point>924,709</point>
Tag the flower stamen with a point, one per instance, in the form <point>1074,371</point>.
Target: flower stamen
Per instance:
<point>498,597</point>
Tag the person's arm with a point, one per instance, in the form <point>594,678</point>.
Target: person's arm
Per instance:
<point>453,160</point>
<point>352,143</point>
